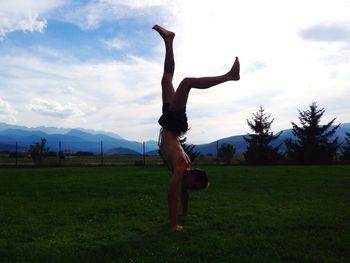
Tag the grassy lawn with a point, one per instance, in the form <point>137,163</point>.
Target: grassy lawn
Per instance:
<point>119,214</point>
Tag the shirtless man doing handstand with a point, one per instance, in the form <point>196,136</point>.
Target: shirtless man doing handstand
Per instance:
<point>174,125</point>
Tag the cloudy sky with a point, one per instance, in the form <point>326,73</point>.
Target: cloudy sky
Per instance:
<point>97,64</point>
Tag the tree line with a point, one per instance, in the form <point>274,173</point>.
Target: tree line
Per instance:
<point>311,143</point>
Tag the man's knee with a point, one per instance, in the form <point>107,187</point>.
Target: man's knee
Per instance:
<point>186,83</point>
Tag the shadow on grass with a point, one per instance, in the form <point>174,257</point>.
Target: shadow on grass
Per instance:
<point>159,244</point>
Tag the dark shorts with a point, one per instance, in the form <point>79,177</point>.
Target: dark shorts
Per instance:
<point>174,120</point>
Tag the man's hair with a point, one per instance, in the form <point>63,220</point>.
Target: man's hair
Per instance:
<point>201,178</point>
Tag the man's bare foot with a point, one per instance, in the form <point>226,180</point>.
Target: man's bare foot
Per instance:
<point>234,72</point>
<point>165,34</point>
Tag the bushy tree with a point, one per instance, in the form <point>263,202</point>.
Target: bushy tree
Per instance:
<point>346,149</point>
<point>189,150</point>
<point>259,149</point>
<point>313,142</point>
<point>226,153</point>
<point>37,151</point>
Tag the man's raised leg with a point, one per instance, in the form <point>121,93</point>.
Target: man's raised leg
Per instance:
<point>169,64</point>
<point>182,92</point>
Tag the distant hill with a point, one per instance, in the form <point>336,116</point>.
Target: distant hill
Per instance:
<point>240,144</point>
<point>74,140</point>
<point>7,147</point>
<point>122,151</point>
<point>54,130</point>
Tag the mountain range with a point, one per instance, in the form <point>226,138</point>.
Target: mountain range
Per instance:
<point>74,140</point>
<point>70,140</point>
<point>240,144</point>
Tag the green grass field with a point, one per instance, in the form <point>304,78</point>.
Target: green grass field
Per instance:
<point>119,214</point>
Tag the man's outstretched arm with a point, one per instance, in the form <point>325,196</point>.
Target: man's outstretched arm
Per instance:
<point>184,200</point>
<point>172,200</point>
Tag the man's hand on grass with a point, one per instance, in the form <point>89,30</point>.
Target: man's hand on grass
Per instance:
<point>178,228</point>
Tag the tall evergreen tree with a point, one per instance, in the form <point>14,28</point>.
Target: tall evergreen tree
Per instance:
<point>260,150</point>
<point>313,141</point>
<point>346,149</point>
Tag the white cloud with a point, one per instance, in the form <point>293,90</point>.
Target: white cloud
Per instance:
<point>90,15</point>
<point>7,113</point>
<point>25,22</point>
<point>138,3</point>
<point>110,95</point>
<point>281,70</point>
<point>255,66</point>
<point>24,15</point>
<point>55,109</point>
<point>328,32</point>
<point>265,35</point>
<point>115,43</point>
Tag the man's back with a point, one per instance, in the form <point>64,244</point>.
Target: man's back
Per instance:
<point>172,151</point>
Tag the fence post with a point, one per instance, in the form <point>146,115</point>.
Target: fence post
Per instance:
<point>16,154</point>
<point>101,153</point>
<point>59,153</point>
<point>217,151</point>
<point>144,154</point>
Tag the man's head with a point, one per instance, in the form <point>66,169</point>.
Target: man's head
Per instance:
<point>195,179</point>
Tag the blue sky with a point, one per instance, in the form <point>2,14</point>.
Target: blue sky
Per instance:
<point>97,64</point>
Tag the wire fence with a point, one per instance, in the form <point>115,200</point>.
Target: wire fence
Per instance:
<point>78,154</point>
<point>102,153</point>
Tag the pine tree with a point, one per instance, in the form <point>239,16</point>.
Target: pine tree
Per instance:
<point>259,150</point>
<point>189,150</point>
<point>346,149</point>
<point>313,143</point>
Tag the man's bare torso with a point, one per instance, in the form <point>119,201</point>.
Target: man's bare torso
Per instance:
<point>172,151</point>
